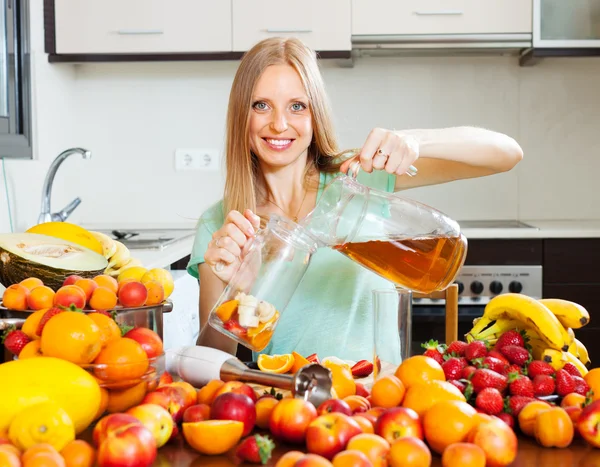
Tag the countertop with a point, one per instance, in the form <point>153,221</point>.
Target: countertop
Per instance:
<point>541,229</point>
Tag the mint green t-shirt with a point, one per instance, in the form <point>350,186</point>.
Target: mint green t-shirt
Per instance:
<point>331,312</point>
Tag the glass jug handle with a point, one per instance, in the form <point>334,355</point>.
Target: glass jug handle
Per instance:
<point>354,167</point>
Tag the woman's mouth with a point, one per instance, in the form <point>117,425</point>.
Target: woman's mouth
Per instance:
<point>278,144</point>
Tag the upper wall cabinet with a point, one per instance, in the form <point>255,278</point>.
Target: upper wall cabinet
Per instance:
<point>322,25</point>
<point>139,26</point>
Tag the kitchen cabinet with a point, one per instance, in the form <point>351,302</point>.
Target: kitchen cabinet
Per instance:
<point>323,26</point>
<point>425,17</point>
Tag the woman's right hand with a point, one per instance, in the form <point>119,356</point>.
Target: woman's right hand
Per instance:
<point>225,251</point>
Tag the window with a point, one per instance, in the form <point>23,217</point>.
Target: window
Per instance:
<point>15,80</point>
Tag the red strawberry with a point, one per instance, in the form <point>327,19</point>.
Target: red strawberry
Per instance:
<point>475,349</point>
<point>14,340</point>
<point>564,383</point>
<point>49,314</point>
<point>572,369</point>
<point>362,369</point>
<point>515,354</point>
<point>467,372</point>
<point>453,368</point>
<point>104,312</point>
<point>495,364</point>
<point>498,355</point>
<point>483,378</point>
<point>457,348</point>
<point>255,449</point>
<point>434,350</point>
<point>581,387</point>
<point>515,404</point>
<point>234,327</point>
<point>539,367</point>
<point>361,390</point>
<point>313,358</point>
<point>520,385</point>
<point>490,401</point>
<point>543,385</point>
<point>507,418</point>
<point>460,385</point>
<point>512,337</point>
<point>512,369</point>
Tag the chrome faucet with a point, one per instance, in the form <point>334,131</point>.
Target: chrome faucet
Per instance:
<point>46,215</point>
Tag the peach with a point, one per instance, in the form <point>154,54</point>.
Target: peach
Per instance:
<point>156,293</point>
<point>40,297</point>
<point>498,441</point>
<point>88,286</point>
<point>173,400</point>
<point>165,378</point>
<point>153,346</point>
<point>15,297</point>
<point>528,415</point>
<point>70,280</point>
<point>196,413</point>
<point>289,459</point>
<point>189,390</point>
<point>31,283</point>
<point>236,386</point>
<point>133,294</point>
<point>69,295</point>
<point>157,419</point>
<point>312,460</point>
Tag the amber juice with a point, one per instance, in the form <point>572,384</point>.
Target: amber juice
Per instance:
<point>421,264</point>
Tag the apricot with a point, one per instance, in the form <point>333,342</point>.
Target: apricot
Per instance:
<point>31,283</point>
<point>88,286</point>
<point>40,297</point>
<point>15,297</point>
<point>133,294</point>
<point>156,293</point>
<point>103,299</point>
<point>104,280</point>
<point>69,295</point>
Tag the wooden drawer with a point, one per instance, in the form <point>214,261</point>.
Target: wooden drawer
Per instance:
<point>504,252</point>
<point>572,261</point>
<point>142,26</point>
<point>322,25</point>
<point>407,17</point>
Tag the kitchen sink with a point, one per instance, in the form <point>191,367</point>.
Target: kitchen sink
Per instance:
<point>148,239</point>
<point>495,224</point>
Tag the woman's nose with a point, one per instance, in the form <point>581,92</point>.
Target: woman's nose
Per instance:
<point>279,122</point>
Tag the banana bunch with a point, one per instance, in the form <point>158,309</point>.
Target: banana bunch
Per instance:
<point>118,255</point>
<point>547,325</point>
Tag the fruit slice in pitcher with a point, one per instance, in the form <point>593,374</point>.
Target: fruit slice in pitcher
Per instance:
<point>227,309</point>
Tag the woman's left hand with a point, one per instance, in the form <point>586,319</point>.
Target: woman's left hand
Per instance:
<point>386,150</point>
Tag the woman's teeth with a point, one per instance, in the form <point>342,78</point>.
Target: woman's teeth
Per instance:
<point>279,142</point>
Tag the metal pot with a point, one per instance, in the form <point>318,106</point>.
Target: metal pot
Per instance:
<point>150,317</point>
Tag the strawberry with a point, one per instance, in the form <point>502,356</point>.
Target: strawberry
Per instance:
<point>495,364</point>
<point>458,384</point>
<point>467,372</point>
<point>564,383</point>
<point>255,449</point>
<point>581,387</point>
<point>514,404</point>
<point>49,314</point>
<point>434,350</point>
<point>498,355</point>
<point>511,337</point>
<point>543,385</point>
<point>361,390</point>
<point>490,401</point>
<point>453,368</point>
<point>475,349</point>
<point>539,367</point>
<point>507,418</point>
<point>14,340</point>
<point>313,358</point>
<point>512,369</point>
<point>516,354</point>
<point>234,327</point>
<point>362,369</point>
<point>483,378</point>
<point>520,385</point>
<point>457,348</point>
<point>571,369</point>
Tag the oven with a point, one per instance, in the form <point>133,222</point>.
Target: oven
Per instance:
<point>476,286</point>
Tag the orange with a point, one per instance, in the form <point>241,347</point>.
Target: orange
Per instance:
<point>31,349</point>
<point>213,437</point>
<point>275,363</point>
<point>299,362</point>
<point>464,455</point>
<point>418,369</point>
<point>121,359</point>
<point>447,422</point>
<point>226,310</point>
<point>592,378</point>
<point>109,329</point>
<point>78,453</point>
<point>374,447</point>
<point>72,336</point>
<point>388,391</point>
<point>264,406</point>
<point>351,458</point>
<point>343,383</point>
<point>206,394</point>
<point>422,396</point>
<point>119,400</point>
<point>31,323</point>
<point>409,451</point>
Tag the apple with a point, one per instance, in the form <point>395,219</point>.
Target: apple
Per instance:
<point>397,422</point>
<point>196,413</point>
<point>235,406</point>
<point>587,423</point>
<point>132,294</point>
<point>122,439</point>
<point>70,280</point>
<point>148,339</point>
<point>290,419</point>
<point>334,405</point>
<point>157,419</point>
<point>329,434</point>
<point>237,387</point>
<point>173,401</point>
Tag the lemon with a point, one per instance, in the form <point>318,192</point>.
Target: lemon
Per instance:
<point>135,273</point>
<point>45,422</point>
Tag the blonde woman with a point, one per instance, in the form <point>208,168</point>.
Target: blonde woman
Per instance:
<point>280,153</point>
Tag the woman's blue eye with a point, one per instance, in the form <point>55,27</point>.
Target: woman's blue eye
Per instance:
<point>260,105</point>
<point>298,106</point>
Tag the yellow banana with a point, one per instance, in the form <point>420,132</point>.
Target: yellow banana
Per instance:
<point>570,314</point>
<point>537,348</point>
<point>555,358</point>
<point>479,324</point>
<point>582,352</point>
<point>500,327</point>
<point>532,314</point>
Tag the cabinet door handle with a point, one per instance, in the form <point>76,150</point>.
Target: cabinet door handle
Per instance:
<point>139,32</point>
<point>439,13</point>
<point>3,60</point>
<point>277,31</point>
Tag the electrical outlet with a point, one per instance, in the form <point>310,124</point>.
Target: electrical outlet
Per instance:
<point>196,159</point>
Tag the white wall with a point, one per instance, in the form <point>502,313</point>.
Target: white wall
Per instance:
<point>134,115</point>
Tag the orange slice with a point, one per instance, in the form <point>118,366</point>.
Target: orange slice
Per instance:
<point>213,437</point>
<point>276,363</point>
<point>227,309</point>
<point>299,362</point>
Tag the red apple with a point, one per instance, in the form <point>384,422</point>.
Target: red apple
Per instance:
<point>157,419</point>
<point>334,405</point>
<point>329,434</point>
<point>196,413</point>
<point>122,439</point>
<point>133,294</point>
<point>397,422</point>
<point>290,419</point>
<point>148,339</point>
<point>70,280</point>
<point>238,388</point>
<point>588,422</point>
<point>235,406</point>
<point>173,401</point>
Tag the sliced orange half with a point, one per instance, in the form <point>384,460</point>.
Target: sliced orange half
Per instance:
<point>299,362</point>
<point>275,363</point>
<point>213,437</point>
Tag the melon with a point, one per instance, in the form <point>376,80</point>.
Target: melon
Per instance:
<point>50,259</point>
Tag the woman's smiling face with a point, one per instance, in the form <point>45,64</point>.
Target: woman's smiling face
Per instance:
<point>280,128</point>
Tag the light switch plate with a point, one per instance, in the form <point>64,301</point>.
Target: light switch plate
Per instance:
<point>197,159</point>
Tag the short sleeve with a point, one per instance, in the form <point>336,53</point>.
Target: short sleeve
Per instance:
<point>209,222</point>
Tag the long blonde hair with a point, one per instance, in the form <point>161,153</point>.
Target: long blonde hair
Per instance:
<point>241,164</point>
